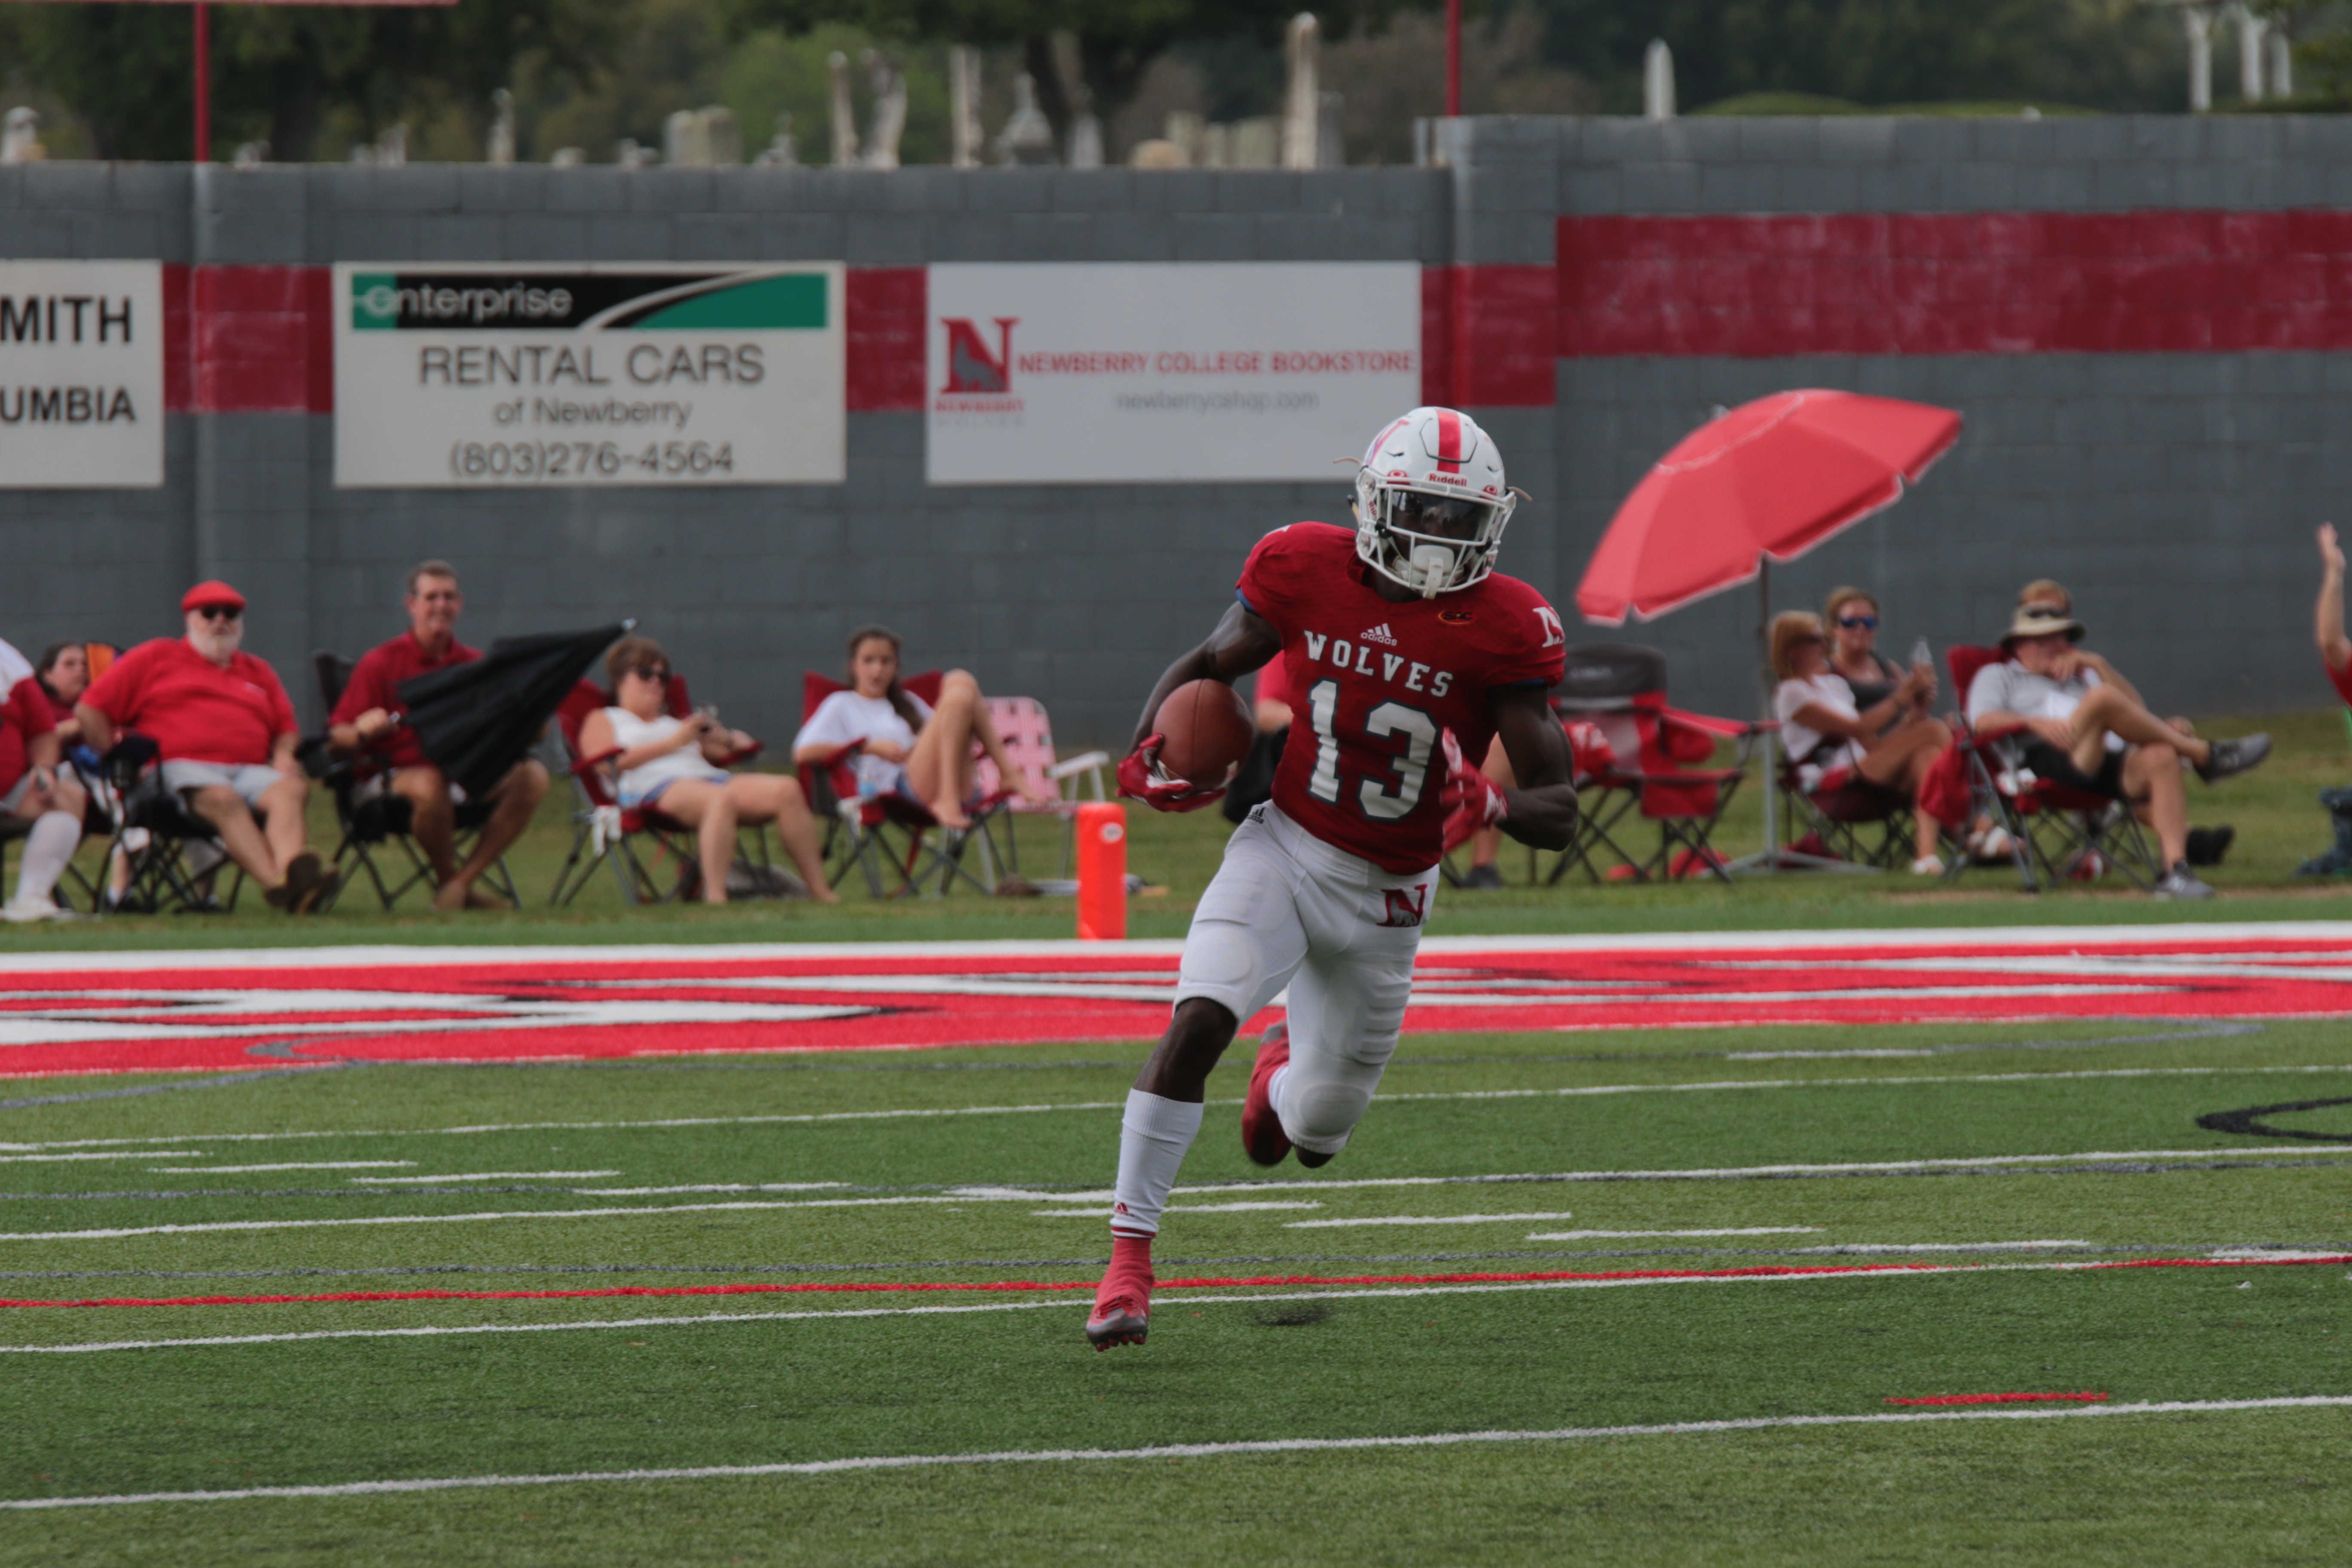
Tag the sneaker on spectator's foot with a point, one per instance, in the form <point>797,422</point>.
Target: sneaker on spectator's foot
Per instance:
<point>2334,863</point>
<point>1990,846</point>
<point>2180,882</point>
<point>2228,757</point>
<point>298,889</point>
<point>1263,1138</point>
<point>1483,877</point>
<point>22,910</point>
<point>1928,866</point>
<point>2208,845</point>
<point>1123,1301</point>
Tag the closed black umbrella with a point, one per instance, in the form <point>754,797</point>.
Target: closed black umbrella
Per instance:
<point>476,720</point>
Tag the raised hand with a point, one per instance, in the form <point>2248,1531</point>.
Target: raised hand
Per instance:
<point>1140,778</point>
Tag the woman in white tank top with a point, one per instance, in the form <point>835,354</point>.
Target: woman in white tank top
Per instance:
<point>666,763</point>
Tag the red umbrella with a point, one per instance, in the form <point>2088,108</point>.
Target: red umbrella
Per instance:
<point>1772,478</point>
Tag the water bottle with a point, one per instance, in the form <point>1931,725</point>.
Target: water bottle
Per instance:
<point>1922,654</point>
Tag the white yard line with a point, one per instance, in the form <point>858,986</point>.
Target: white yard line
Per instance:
<point>1614,1089</point>
<point>1628,1234</point>
<point>1103,1210</point>
<point>125,1155</point>
<point>286,1165</point>
<point>1070,1300</point>
<point>1204,1451</point>
<point>485,1175</point>
<point>1426,1219</point>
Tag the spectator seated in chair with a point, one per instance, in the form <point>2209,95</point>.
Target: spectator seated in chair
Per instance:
<point>226,735</point>
<point>904,747</point>
<point>674,766</point>
<point>63,676</point>
<point>2087,731</point>
<point>1851,619</point>
<point>1833,742</point>
<point>366,723</point>
<point>35,790</point>
<point>2207,845</point>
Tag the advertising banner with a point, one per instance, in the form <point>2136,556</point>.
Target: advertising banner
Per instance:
<point>490,375</point>
<point>81,374</point>
<point>1166,374</point>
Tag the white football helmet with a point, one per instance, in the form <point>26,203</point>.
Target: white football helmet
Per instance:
<point>1431,502</point>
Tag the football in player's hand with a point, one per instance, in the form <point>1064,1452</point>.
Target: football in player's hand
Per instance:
<point>1209,732</point>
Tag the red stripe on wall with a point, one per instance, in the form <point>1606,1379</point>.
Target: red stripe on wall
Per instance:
<point>885,328</point>
<point>261,340</point>
<point>1487,335</point>
<point>2179,282</point>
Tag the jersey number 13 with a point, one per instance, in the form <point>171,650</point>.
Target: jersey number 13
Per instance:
<point>1382,800</point>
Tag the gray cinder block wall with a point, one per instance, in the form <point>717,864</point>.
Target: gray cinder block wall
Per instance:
<point>2175,491</point>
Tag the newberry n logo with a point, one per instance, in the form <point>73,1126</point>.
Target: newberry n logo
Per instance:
<point>971,367</point>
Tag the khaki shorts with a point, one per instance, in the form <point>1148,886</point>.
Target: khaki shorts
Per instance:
<point>251,781</point>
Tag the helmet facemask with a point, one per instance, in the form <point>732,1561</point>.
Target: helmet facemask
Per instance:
<point>1431,543</point>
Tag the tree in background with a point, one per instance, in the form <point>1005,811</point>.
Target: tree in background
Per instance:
<point>285,74</point>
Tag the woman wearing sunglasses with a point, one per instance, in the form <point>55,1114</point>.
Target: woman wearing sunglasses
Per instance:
<point>674,765</point>
<point>1852,617</point>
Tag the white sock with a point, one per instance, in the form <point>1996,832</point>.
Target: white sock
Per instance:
<point>1153,1136</point>
<point>47,849</point>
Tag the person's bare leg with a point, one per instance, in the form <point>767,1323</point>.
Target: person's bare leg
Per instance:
<point>2152,775</point>
<point>511,808</point>
<point>1902,762</point>
<point>773,797</point>
<point>223,811</point>
<point>936,769</point>
<point>282,818</point>
<point>432,818</point>
<point>2107,711</point>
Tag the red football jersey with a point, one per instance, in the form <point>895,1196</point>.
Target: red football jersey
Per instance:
<point>1374,683</point>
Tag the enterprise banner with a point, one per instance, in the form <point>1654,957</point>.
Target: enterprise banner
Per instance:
<point>476,376</point>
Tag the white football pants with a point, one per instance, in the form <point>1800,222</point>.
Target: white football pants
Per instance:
<point>1287,909</point>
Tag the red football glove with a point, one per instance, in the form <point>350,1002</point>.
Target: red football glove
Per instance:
<point>1140,778</point>
<point>1471,801</point>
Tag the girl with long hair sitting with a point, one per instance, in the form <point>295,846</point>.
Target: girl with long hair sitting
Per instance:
<point>906,747</point>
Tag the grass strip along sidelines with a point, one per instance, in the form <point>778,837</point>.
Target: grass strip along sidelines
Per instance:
<point>1757,1271</point>
<point>1191,1450</point>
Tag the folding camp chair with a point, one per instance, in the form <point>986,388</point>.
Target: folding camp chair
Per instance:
<point>370,820</point>
<point>602,828</point>
<point>1847,817</point>
<point>2056,833</point>
<point>1621,690</point>
<point>153,829</point>
<point>1028,738</point>
<point>887,838</point>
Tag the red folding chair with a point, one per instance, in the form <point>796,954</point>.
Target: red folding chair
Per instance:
<point>1848,817</point>
<point>1655,772</point>
<point>888,837</point>
<point>602,828</point>
<point>2054,832</point>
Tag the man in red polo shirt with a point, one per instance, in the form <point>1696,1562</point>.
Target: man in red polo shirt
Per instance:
<point>366,719</point>
<point>225,733</point>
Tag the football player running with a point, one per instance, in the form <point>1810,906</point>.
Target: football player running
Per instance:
<point>1396,635</point>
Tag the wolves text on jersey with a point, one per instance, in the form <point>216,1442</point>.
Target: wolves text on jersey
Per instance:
<point>1358,658</point>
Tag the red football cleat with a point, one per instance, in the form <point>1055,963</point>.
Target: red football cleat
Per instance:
<point>1123,1301</point>
<point>1262,1135</point>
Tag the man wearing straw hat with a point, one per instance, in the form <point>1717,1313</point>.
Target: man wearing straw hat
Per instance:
<point>2093,735</point>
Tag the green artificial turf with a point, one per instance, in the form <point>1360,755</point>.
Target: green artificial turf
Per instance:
<point>1332,1362</point>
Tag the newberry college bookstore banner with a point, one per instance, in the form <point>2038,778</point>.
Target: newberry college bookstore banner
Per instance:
<point>1170,374</point>
<point>486,375</point>
<point>81,374</point>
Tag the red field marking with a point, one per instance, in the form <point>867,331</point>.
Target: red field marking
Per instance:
<point>2005,1399</point>
<point>191,1012</point>
<point>1760,1271</point>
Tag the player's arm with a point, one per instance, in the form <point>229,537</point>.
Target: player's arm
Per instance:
<point>1243,642</point>
<point>1542,811</point>
<point>2334,646</point>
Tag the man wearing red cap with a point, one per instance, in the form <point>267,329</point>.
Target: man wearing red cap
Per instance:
<point>226,732</point>
<point>367,718</point>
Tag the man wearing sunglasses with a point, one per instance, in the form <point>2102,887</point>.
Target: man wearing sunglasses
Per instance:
<point>225,733</point>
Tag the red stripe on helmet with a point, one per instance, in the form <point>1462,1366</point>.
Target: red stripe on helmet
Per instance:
<point>1449,441</point>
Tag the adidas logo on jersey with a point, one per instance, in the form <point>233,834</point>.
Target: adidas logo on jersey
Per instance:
<point>1379,634</point>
